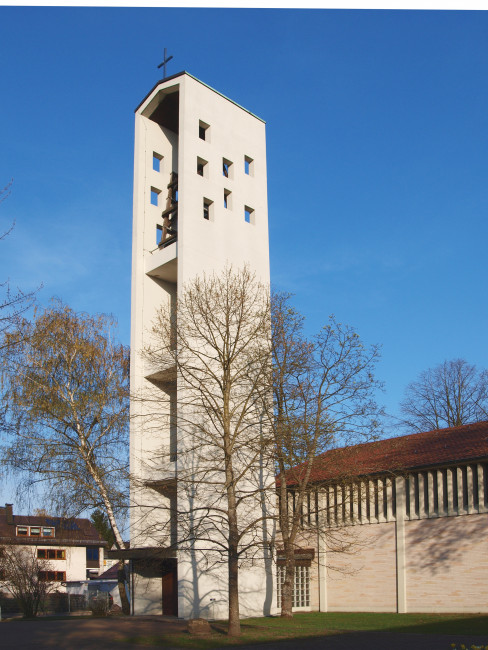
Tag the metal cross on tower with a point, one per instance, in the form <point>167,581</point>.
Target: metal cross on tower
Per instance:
<point>163,64</point>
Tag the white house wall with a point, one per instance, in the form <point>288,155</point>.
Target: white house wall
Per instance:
<point>74,566</point>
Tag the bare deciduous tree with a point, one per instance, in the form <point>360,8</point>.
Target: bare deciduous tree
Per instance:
<point>449,395</point>
<point>221,324</point>
<point>20,575</point>
<point>12,303</point>
<point>66,394</point>
<point>323,391</point>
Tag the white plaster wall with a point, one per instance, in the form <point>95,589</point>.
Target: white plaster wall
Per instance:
<point>203,246</point>
<point>234,133</point>
<point>148,595</point>
<point>208,246</point>
<point>149,440</point>
<point>203,590</point>
<point>74,565</point>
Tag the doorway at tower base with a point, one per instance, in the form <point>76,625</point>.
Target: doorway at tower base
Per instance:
<point>192,587</point>
<point>155,587</point>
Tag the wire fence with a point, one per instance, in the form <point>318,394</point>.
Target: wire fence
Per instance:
<point>94,602</point>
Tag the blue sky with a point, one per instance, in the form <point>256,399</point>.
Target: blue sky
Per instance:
<point>377,129</point>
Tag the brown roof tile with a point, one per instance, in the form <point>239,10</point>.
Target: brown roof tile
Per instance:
<point>418,450</point>
<point>68,532</point>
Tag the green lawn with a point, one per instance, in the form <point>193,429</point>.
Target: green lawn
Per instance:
<point>260,630</point>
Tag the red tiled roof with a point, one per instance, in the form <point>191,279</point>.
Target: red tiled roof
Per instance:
<point>68,532</point>
<point>418,450</point>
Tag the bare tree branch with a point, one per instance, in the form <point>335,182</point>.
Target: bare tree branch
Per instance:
<point>449,395</point>
<point>21,576</point>
<point>13,303</point>
<point>225,471</point>
<point>66,394</point>
<point>323,390</point>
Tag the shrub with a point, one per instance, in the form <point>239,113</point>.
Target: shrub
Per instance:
<point>100,604</point>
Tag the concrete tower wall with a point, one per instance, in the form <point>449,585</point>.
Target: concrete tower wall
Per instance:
<point>233,133</point>
<point>225,170</point>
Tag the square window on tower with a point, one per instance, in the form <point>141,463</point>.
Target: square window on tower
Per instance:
<point>157,161</point>
<point>227,199</point>
<point>227,168</point>
<point>202,167</point>
<point>203,130</point>
<point>155,196</point>
<point>207,209</point>
<point>248,214</point>
<point>248,166</point>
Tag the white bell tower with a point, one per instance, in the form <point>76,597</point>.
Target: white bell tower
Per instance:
<point>200,204</point>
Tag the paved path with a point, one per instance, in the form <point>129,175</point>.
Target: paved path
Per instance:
<point>83,633</point>
<point>107,634</point>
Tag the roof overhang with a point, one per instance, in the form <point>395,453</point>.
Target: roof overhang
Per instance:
<point>143,553</point>
<point>185,73</point>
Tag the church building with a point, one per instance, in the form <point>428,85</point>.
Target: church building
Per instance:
<point>200,205</point>
<point>402,526</point>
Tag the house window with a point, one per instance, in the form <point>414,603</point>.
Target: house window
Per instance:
<point>203,130</point>
<point>155,196</point>
<point>227,168</point>
<point>52,576</point>
<point>227,199</point>
<point>157,161</point>
<point>202,167</point>
<point>301,587</point>
<point>248,166</point>
<point>93,553</point>
<point>207,209</point>
<point>92,557</point>
<point>51,554</point>
<point>35,531</point>
<point>248,214</point>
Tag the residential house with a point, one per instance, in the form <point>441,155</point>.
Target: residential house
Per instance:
<point>73,547</point>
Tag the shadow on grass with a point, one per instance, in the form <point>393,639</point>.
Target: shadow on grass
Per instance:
<point>310,625</point>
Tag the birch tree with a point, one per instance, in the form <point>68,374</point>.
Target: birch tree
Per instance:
<point>221,325</point>
<point>66,393</point>
<point>323,397</point>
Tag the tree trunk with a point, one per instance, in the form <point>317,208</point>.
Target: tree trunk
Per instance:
<point>289,583</point>
<point>121,584</point>
<point>234,620</point>
<point>233,546</point>
<point>286,534</point>
<point>233,562</point>
<point>119,542</point>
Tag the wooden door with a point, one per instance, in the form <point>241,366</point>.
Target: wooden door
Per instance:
<point>170,591</point>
